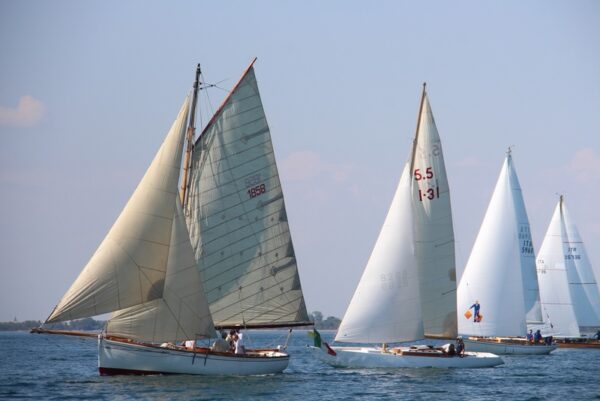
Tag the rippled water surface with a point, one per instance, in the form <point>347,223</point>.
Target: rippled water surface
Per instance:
<point>65,368</point>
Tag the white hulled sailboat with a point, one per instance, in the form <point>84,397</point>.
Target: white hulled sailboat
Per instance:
<point>238,269</point>
<point>500,275</point>
<point>568,287</point>
<point>408,288</point>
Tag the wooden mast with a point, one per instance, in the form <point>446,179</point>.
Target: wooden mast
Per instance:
<point>190,138</point>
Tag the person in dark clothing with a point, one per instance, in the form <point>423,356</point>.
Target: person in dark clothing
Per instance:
<point>530,336</point>
<point>460,347</point>
<point>476,307</point>
<point>537,337</point>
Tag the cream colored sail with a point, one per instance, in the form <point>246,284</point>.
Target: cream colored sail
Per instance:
<point>434,234</point>
<point>386,306</point>
<point>552,263</point>
<point>129,266</point>
<point>497,273</point>
<point>582,282</point>
<point>182,311</point>
<point>237,219</point>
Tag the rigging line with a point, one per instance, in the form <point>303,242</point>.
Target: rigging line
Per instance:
<point>206,85</point>
<point>219,87</point>
<point>210,108</point>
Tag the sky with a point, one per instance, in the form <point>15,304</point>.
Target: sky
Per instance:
<point>88,90</point>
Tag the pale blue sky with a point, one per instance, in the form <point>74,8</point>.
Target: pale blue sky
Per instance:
<point>89,88</point>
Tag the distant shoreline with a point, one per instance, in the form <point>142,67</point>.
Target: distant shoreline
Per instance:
<point>89,324</point>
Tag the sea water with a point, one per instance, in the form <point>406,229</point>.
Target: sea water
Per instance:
<point>53,367</point>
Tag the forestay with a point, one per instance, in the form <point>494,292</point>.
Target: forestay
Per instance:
<point>130,265</point>
<point>434,234</point>
<point>386,305</point>
<point>500,272</point>
<point>552,262</point>
<point>182,312</point>
<point>237,218</point>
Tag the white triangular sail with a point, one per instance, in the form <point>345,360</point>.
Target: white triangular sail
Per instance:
<point>500,272</point>
<point>434,234</point>
<point>386,305</point>
<point>182,312</point>
<point>130,264</point>
<point>237,218</point>
<point>552,262</point>
<point>582,282</point>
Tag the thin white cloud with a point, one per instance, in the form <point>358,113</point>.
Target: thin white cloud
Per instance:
<point>28,112</point>
<point>585,166</point>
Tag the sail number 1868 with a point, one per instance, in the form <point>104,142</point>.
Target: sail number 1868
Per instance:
<point>257,190</point>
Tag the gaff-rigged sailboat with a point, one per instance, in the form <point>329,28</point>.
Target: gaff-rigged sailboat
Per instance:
<point>408,288</point>
<point>500,274</point>
<point>238,269</point>
<point>568,287</point>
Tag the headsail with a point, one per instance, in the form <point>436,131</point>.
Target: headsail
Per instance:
<point>182,311</point>
<point>434,234</point>
<point>552,263</point>
<point>386,306</point>
<point>500,272</point>
<point>130,265</point>
<point>237,219</point>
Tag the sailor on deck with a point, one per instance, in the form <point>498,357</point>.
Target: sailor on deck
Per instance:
<point>240,348</point>
<point>221,344</point>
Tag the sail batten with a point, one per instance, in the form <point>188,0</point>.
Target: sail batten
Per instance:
<point>237,219</point>
<point>130,264</point>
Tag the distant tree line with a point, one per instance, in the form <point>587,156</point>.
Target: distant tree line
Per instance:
<point>331,323</point>
<point>87,324</point>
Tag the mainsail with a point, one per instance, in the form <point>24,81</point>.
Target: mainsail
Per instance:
<point>408,288</point>
<point>386,306</point>
<point>237,220</point>
<point>434,234</point>
<point>552,262</point>
<point>582,282</point>
<point>500,272</point>
<point>130,265</point>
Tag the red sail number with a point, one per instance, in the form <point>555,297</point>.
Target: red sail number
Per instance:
<point>428,174</point>
<point>430,194</point>
<point>257,190</point>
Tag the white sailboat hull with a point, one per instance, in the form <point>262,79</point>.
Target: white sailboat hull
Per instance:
<point>117,357</point>
<point>508,347</point>
<point>370,357</point>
